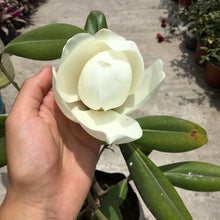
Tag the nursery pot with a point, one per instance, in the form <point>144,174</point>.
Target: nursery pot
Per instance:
<point>185,3</point>
<point>212,75</point>
<point>199,53</point>
<point>190,38</point>
<point>130,208</point>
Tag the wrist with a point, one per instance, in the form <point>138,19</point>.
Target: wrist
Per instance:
<point>16,209</point>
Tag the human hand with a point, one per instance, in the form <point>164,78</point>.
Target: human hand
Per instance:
<point>51,160</point>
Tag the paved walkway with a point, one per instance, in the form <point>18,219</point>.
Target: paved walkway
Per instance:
<point>183,94</point>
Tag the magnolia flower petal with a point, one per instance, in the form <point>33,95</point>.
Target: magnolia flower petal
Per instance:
<point>66,108</point>
<point>153,78</point>
<point>112,73</point>
<point>72,43</point>
<point>109,126</point>
<point>106,34</point>
<point>77,52</point>
<point>134,57</point>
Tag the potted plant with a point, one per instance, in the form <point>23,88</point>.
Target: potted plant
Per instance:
<point>212,74</point>
<point>161,133</point>
<point>13,16</point>
<point>179,21</point>
<point>10,19</point>
<point>210,43</point>
<point>204,16</point>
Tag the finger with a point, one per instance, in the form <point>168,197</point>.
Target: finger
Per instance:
<point>32,92</point>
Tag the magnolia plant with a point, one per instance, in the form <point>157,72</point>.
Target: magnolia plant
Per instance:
<point>100,80</point>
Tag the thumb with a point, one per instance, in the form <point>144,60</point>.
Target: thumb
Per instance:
<point>31,94</point>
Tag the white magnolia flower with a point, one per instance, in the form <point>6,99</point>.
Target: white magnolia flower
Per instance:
<point>100,80</point>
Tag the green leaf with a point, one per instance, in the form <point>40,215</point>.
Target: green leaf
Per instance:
<point>95,22</point>
<point>7,64</point>
<point>145,150</point>
<point>3,160</point>
<point>115,197</point>
<point>196,176</point>
<point>170,134</point>
<point>157,192</point>
<point>43,43</point>
<point>2,124</point>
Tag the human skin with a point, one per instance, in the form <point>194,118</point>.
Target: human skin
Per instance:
<point>51,160</point>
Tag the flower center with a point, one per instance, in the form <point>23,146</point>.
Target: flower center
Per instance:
<point>105,80</point>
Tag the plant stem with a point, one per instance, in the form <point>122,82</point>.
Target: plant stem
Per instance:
<point>106,146</point>
<point>92,204</point>
<point>97,188</point>
<point>91,201</point>
<point>99,215</point>
<point>102,150</point>
<point>129,178</point>
<point>2,68</point>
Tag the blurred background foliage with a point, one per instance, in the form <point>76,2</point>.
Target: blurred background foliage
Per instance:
<point>14,14</point>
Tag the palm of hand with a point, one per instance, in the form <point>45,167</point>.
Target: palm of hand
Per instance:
<point>54,160</point>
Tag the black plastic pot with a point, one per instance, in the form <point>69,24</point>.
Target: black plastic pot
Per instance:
<point>190,38</point>
<point>130,208</point>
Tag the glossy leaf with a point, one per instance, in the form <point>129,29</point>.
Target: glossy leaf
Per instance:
<point>3,160</point>
<point>115,197</point>
<point>43,43</point>
<point>157,192</point>
<point>170,134</point>
<point>7,64</point>
<point>196,176</point>
<point>95,21</point>
<point>145,150</point>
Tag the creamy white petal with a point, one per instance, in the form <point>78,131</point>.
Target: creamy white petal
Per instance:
<point>72,43</point>
<point>66,108</point>
<point>105,80</point>
<point>134,57</point>
<point>70,69</point>
<point>109,126</point>
<point>153,78</point>
<point>106,34</point>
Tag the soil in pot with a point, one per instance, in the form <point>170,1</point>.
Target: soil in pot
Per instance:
<point>199,53</point>
<point>212,75</point>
